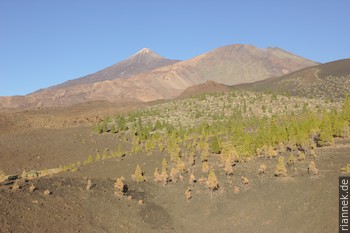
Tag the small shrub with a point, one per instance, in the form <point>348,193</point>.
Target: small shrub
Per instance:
<point>192,178</point>
<point>245,181</point>
<point>98,157</point>
<point>160,177</point>
<point>205,167</point>
<point>174,174</point>
<point>271,153</point>
<point>3,177</point>
<point>138,176</point>
<point>191,160</point>
<point>188,194</point>
<point>164,165</point>
<point>312,169</point>
<point>212,182</point>
<point>180,165</point>
<point>32,188</point>
<point>291,160</point>
<point>47,192</point>
<point>89,185</point>
<point>301,156</point>
<point>313,154</point>
<point>215,146</point>
<point>16,186</point>
<point>346,169</point>
<point>228,167</point>
<point>281,169</point>
<point>262,169</point>
<point>120,187</point>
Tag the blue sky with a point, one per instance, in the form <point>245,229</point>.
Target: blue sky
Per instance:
<point>45,42</point>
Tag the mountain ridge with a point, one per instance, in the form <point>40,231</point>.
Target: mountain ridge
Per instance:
<point>145,77</point>
<point>328,80</point>
<point>142,61</point>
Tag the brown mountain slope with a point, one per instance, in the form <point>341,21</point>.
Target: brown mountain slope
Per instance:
<point>329,80</point>
<point>235,64</point>
<point>137,79</point>
<point>205,88</point>
<point>162,83</point>
<point>143,61</point>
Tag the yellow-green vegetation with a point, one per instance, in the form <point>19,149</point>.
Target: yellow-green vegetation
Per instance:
<point>281,169</point>
<point>291,159</point>
<point>346,169</point>
<point>89,160</point>
<point>231,124</point>
<point>164,165</point>
<point>3,177</point>
<point>301,156</point>
<point>212,182</point>
<point>313,154</point>
<point>138,175</point>
<point>205,152</point>
<point>223,117</point>
<point>205,167</point>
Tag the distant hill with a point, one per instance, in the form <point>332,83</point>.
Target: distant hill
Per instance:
<point>235,64</point>
<point>146,76</point>
<point>205,88</point>
<point>329,80</point>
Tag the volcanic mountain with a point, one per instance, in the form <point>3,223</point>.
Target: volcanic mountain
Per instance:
<point>146,76</point>
<point>143,61</point>
<point>329,80</point>
<point>238,63</point>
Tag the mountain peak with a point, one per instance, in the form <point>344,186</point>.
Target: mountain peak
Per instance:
<point>145,56</point>
<point>144,51</point>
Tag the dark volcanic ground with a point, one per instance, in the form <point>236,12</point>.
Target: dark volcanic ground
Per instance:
<point>297,203</point>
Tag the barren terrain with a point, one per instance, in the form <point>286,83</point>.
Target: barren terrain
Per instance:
<point>64,138</point>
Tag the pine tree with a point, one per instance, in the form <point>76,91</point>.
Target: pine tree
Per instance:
<point>281,169</point>
<point>326,136</point>
<point>164,165</point>
<point>212,182</point>
<point>215,147</point>
<point>138,175</point>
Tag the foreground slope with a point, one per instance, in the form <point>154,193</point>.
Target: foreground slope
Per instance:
<point>273,203</point>
<point>329,80</point>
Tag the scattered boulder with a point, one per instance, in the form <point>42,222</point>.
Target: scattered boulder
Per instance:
<point>47,192</point>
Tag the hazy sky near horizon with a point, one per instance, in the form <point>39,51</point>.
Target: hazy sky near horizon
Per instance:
<point>43,43</point>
